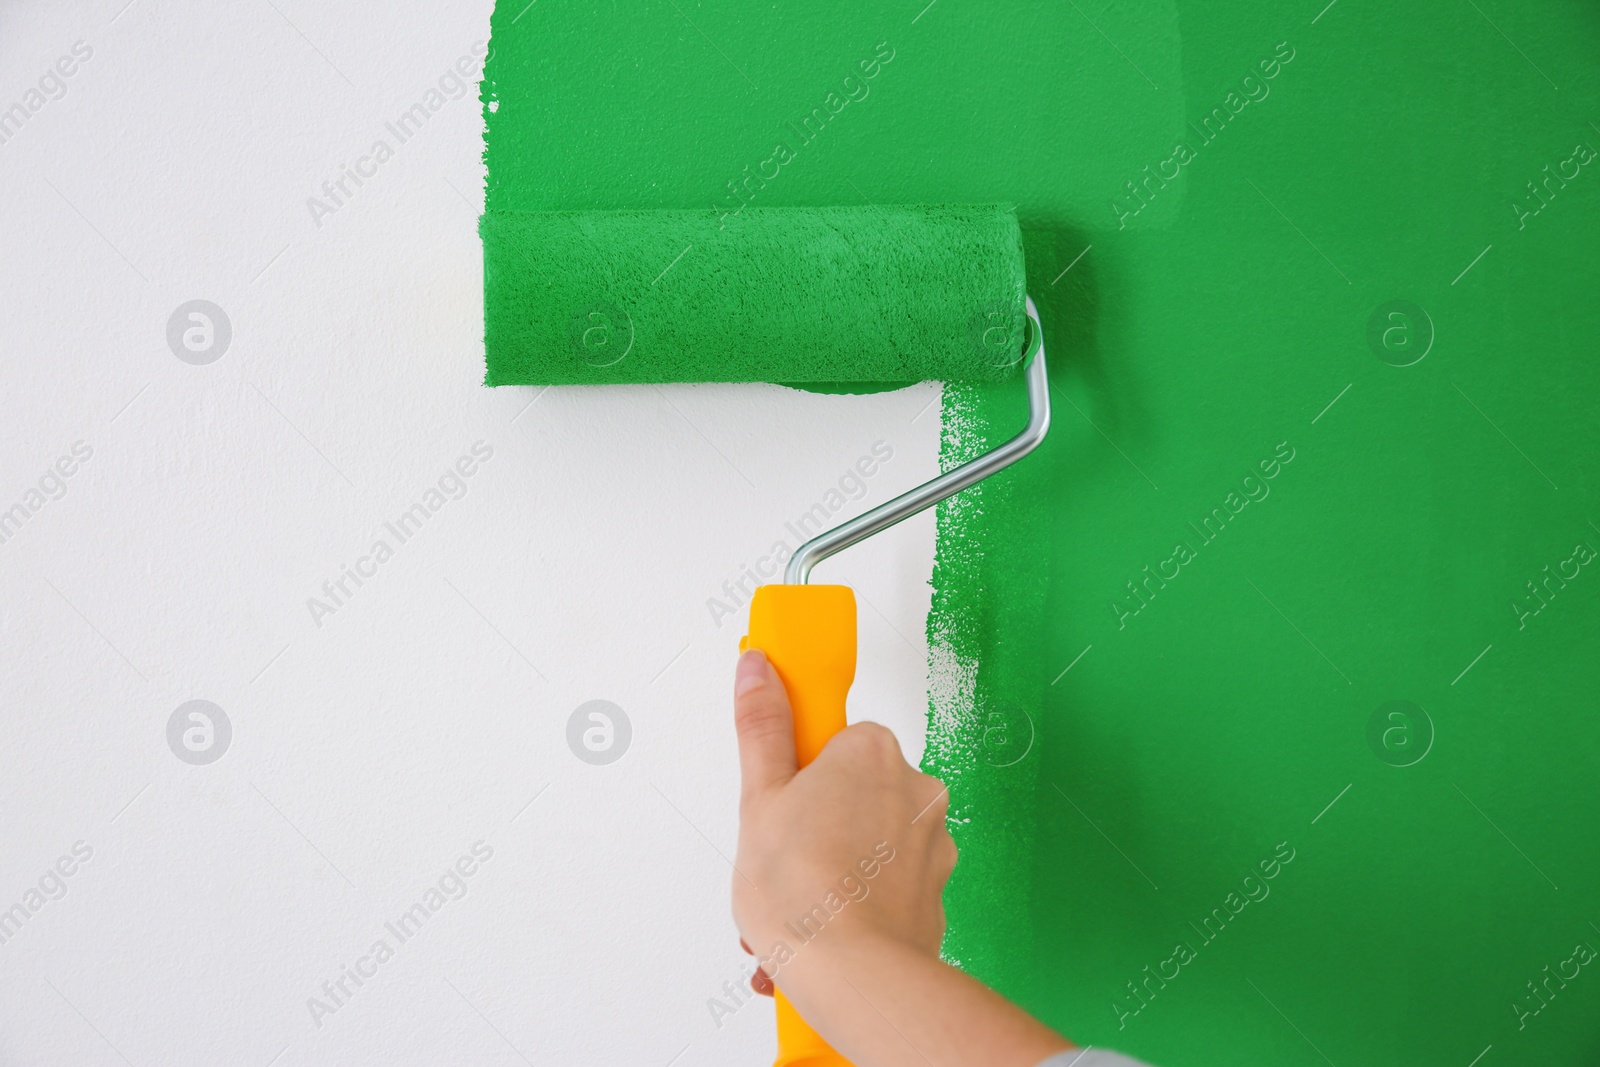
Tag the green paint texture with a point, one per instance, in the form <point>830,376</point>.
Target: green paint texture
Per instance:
<point>1266,690</point>
<point>874,293</point>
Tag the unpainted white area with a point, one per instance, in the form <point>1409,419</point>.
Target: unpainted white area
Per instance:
<point>416,731</point>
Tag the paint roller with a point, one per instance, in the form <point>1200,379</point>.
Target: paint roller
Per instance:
<point>880,295</point>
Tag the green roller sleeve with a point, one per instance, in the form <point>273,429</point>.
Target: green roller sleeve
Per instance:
<point>793,295</point>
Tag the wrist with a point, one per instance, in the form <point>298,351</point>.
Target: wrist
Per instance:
<point>843,959</point>
<point>882,999</point>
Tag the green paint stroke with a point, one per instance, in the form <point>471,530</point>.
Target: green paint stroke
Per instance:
<point>1211,854</point>
<point>982,694</point>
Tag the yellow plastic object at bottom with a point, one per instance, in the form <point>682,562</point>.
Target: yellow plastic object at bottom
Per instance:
<point>808,633</point>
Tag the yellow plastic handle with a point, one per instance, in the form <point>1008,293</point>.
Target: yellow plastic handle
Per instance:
<point>809,635</point>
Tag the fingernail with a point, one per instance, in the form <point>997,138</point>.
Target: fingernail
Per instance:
<point>751,672</point>
<point>761,983</point>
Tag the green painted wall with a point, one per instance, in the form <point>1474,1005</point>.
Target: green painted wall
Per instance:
<point>1233,311</point>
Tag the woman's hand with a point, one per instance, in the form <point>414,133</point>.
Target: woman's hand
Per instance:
<point>853,845</point>
<point>838,889</point>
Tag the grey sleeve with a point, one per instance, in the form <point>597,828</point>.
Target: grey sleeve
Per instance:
<point>1089,1057</point>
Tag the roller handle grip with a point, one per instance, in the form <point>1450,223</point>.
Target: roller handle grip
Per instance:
<point>808,633</point>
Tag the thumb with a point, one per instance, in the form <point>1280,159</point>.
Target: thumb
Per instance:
<point>765,724</point>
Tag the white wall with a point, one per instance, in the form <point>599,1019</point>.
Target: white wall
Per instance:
<point>424,715</point>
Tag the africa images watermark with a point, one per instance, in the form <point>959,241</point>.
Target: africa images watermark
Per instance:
<point>1550,583</point>
<point>851,485</point>
<point>1141,591</point>
<point>1543,989</point>
<point>1143,189</point>
<point>452,885</point>
<point>1541,195</point>
<point>52,485</point>
<point>742,191</point>
<point>853,888</point>
<point>455,83</point>
<point>451,485</point>
<point>51,85</point>
<point>1142,989</point>
<point>52,885</point>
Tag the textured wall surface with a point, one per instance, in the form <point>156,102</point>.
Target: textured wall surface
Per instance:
<point>382,737</point>
<point>1265,688</point>
<point>1292,619</point>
